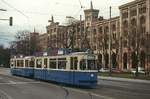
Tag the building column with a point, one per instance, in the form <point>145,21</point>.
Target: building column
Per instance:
<point>103,47</point>
<point>147,30</point>
<point>117,47</point>
<point>148,16</point>
<point>129,41</point>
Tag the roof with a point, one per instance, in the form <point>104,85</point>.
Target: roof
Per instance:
<point>130,3</point>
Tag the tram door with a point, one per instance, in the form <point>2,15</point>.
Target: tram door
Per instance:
<point>73,67</point>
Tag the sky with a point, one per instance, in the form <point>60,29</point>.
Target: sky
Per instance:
<point>30,14</point>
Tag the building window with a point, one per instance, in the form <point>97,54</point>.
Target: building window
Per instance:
<point>94,31</point>
<point>125,43</point>
<point>54,29</point>
<point>142,10</point>
<point>106,30</point>
<point>133,12</point>
<point>100,30</point>
<point>125,15</point>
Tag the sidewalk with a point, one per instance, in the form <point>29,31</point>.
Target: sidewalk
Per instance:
<point>124,79</point>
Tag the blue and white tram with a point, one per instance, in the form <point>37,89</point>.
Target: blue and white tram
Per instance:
<point>74,69</point>
<point>22,66</point>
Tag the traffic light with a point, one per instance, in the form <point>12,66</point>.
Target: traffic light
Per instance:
<point>11,21</point>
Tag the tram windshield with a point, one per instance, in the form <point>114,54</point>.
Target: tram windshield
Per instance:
<point>91,65</point>
<point>87,64</point>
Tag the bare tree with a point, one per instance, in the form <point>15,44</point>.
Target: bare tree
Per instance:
<point>24,44</point>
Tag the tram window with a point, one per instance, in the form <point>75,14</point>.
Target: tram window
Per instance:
<point>26,63</point>
<point>61,59</point>
<point>82,65</point>
<point>45,63</point>
<point>91,65</point>
<point>71,63</point>
<point>12,64</point>
<point>31,63</point>
<point>15,64</point>
<point>74,63</point>
<point>52,63</point>
<point>39,63</point>
<point>61,64</point>
<point>18,63</point>
<point>21,63</point>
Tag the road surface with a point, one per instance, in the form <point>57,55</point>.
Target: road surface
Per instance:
<point>13,87</point>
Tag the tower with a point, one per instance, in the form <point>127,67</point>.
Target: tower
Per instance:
<point>90,15</point>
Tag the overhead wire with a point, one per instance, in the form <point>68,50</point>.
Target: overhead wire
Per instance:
<point>19,11</point>
<point>14,8</point>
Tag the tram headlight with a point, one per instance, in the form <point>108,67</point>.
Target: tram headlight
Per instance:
<point>92,75</point>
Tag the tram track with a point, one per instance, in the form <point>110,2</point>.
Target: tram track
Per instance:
<point>91,96</point>
<point>4,95</point>
<point>66,91</point>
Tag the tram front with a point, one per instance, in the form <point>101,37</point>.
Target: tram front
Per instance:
<point>87,75</point>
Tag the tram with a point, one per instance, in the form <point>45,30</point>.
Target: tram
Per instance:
<point>77,68</point>
<point>22,66</point>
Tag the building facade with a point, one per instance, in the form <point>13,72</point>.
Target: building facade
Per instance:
<point>134,33</point>
<point>56,35</point>
<point>42,42</point>
<point>129,35</point>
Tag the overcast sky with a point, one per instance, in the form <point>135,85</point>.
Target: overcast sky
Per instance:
<point>28,14</point>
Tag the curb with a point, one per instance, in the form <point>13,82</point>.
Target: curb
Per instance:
<point>124,79</point>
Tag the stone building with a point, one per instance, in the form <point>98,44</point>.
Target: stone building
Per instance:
<point>102,29</point>
<point>56,35</point>
<point>42,42</point>
<point>129,33</point>
<point>91,15</point>
<point>134,33</point>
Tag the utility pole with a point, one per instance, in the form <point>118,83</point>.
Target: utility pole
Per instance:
<point>81,46</point>
<point>137,45</point>
<point>110,44</point>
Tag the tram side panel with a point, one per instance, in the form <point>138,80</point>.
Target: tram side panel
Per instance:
<point>61,76</point>
<point>85,78</point>
<point>58,70</point>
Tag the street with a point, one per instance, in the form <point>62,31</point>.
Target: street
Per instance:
<point>13,87</point>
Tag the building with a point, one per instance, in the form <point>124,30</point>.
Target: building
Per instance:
<point>33,42</point>
<point>56,35</point>
<point>91,15</point>
<point>101,31</point>
<point>129,33</point>
<point>42,42</point>
<point>134,33</point>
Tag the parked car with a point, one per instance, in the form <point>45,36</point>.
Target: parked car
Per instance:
<point>104,70</point>
<point>116,70</point>
<point>140,70</point>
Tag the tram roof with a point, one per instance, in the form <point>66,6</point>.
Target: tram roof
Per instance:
<point>59,55</point>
